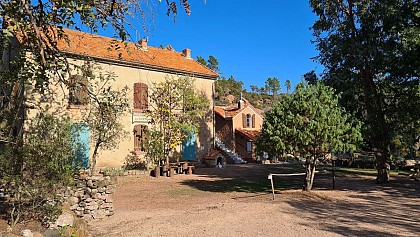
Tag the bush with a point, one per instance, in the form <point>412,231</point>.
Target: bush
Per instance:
<point>34,172</point>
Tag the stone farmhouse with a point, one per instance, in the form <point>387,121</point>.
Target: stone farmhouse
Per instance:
<point>136,66</point>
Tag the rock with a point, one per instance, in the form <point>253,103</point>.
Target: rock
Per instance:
<point>8,235</point>
<point>109,199</point>
<point>73,200</point>
<point>89,183</point>
<point>99,214</point>
<point>88,200</point>
<point>93,191</point>
<point>101,189</point>
<point>110,190</point>
<point>52,233</point>
<point>107,205</point>
<point>93,206</point>
<point>74,207</point>
<point>65,219</point>
<point>37,234</point>
<point>26,233</point>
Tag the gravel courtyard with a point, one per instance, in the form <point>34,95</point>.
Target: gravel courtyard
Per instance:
<point>237,201</point>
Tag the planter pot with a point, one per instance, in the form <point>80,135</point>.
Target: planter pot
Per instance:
<point>157,171</point>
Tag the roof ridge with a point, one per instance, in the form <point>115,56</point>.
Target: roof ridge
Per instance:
<point>153,56</point>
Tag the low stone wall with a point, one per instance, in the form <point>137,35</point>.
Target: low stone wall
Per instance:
<point>92,197</point>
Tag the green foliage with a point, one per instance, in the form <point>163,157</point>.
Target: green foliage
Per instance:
<point>225,87</point>
<point>105,108</point>
<point>369,50</point>
<point>177,109</point>
<point>273,85</point>
<point>311,77</point>
<point>310,123</point>
<point>201,60</point>
<point>45,161</point>
<point>288,85</point>
<point>212,63</point>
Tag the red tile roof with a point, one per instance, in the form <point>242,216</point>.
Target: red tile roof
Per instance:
<point>233,110</point>
<point>86,44</point>
<point>251,134</point>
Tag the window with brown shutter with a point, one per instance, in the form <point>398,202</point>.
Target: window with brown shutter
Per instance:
<point>78,90</point>
<point>141,100</point>
<point>244,120</point>
<point>253,121</point>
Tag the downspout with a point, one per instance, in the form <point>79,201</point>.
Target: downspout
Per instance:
<point>214,115</point>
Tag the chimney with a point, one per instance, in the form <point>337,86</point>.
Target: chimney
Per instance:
<point>186,53</point>
<point>241,102</point>
<point>143,44</point>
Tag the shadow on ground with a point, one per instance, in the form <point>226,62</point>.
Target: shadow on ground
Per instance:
<point>253,178</point>
<point>366,209</point>
<point>384,207</point>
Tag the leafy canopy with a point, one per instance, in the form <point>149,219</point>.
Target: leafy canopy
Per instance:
<point>309,122</point>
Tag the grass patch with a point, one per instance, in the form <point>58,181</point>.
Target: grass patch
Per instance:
<point>370,172</point>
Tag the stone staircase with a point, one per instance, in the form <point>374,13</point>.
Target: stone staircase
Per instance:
<point>237,159</point>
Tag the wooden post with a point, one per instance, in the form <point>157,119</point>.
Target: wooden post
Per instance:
<point>157,171</point>
<point>270,177</point>
<point>171,172</point>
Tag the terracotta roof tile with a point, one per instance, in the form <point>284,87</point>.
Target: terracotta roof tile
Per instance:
<point>99,46</point>
<point>233,110</point>
<point>251,134</point>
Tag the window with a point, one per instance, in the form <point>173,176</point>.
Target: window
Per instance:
<point>139,137</point>
<point>78,90</point>
<point>141,101</point>
<point>249,146</point>
<point>248,120</point>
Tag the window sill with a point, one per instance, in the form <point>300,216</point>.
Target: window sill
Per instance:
<point>140,110</point>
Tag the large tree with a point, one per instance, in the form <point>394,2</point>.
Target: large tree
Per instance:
<point>370,53</point>
<point>273,85</point>
<point>308,122</point>
<point>179,110</point>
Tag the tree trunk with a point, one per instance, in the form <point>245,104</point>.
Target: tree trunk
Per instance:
<point>380,135</point>
<point>93,163</point>
<point>307,185</point>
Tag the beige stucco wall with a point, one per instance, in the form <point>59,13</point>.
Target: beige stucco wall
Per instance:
<point>127,76</point>
<point>237,121</point>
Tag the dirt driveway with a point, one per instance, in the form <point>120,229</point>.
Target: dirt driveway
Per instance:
<point>236,201</point>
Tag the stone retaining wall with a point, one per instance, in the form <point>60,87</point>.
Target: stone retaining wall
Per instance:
<point>92,197</point>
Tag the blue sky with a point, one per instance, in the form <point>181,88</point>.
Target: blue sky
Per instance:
<point>252,40</point>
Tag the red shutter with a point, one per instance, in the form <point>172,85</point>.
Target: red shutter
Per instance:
<point>244,120</point>
<point>136,95</point>
<point>253,121</point>
<point>141,100</point>
<point>144,97</point>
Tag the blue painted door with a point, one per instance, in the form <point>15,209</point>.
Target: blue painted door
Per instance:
<point>81,145</point>
<point>189,148</point>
